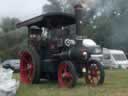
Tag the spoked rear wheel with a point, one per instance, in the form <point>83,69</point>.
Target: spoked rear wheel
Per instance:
<point>66,75</point>
<point>95,73</point>
<point>29,66</point>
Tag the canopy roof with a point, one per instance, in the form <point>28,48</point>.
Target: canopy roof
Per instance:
<point>50,20</point>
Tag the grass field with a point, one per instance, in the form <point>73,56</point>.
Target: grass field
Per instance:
<point>116,84</point>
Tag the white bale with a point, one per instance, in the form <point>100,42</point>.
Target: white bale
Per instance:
<point>8,86</point>
<point>5,74</point>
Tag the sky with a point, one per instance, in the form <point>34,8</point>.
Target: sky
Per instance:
<point>22,9</point>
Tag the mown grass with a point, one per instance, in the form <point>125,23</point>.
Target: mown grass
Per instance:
<point>116,84</point>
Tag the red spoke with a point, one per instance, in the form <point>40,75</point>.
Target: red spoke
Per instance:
<point>93,81</point>
<point>31,69</point>
<point>89,77</point>
<point>68,75</point>
<point>24,58</point>
<point>65,67</point>
<point>96,69</point>
<point>24,69</point>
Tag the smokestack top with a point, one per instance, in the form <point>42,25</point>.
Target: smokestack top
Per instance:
<point>78,14</point>
<point>78,6</point>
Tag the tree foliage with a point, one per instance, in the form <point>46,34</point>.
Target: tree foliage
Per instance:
<point>12,42</point>
<point>11,39</point>
<point>8,24</point>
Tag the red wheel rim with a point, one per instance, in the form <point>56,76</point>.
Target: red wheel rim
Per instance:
<point>64,76</point>
<point>93,74</point>
<point>26,68</point>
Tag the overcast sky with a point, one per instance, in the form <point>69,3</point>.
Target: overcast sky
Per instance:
<point>22,9</point>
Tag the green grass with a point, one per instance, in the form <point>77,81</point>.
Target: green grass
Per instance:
<point>116,84</point>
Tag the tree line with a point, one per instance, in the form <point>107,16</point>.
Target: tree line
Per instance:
<point>11,38</point>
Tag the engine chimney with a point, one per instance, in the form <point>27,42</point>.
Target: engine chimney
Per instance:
<point>78,15</point>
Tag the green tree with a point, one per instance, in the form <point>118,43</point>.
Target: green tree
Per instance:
<point>8,24</point>
<point>12,42</point>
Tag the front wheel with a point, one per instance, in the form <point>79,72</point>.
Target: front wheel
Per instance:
<point>95,73</point>
<point>29,66</point>
<point>67,76</point>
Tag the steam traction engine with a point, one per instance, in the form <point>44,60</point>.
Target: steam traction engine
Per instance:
<point>56,53</point>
